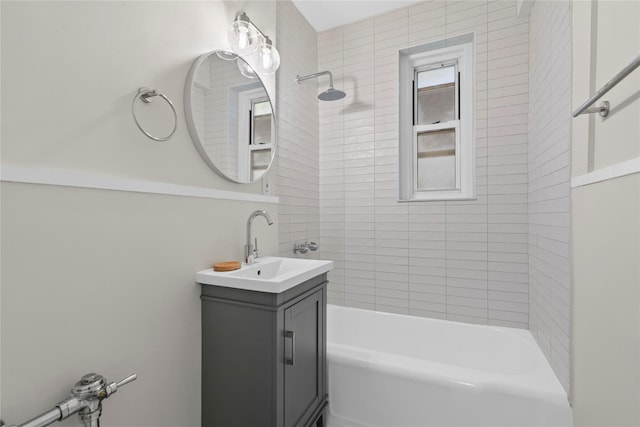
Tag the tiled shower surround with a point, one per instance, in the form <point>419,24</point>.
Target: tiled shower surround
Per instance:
<point>456,260</point>
<point>471,261</point>
<point>549,177</point>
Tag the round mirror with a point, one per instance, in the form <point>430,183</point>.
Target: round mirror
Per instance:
<point>230,116</point>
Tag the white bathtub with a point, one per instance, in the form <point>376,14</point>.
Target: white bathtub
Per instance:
<point>405,371</point>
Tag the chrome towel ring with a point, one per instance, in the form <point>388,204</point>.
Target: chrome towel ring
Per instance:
<point>145,95</point>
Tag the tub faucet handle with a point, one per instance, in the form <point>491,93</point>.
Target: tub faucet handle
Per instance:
<point>303,248</point>
<point>300,248</point>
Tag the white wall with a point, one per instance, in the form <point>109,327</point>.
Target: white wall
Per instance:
<point>549,188</point>
<point>103,281</point>
<point>462,261</point>
<point>606,314</point>
<point>98,280</point>
<point>605,219</point>
<point>97,55</point>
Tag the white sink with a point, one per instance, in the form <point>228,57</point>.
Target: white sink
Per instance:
<point>268,274</point>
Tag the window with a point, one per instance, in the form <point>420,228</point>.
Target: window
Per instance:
<point>437,142</point>
<point>261,121</point>
<point>261,136</point>
<point>255,132</point>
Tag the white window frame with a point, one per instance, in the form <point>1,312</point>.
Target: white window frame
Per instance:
<point>420,58</point>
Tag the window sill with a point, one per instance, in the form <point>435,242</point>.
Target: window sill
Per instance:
<point>439,198</point>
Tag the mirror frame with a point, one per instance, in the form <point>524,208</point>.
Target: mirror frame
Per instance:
<point>191,126</point>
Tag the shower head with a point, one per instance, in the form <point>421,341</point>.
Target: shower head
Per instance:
<point>330,94</point>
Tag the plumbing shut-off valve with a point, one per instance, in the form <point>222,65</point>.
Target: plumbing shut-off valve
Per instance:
<point>92,389</point>
<point>86,400</point>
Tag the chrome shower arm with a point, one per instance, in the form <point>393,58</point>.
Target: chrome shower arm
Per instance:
<point>299,78</point>
<point>330,94</point>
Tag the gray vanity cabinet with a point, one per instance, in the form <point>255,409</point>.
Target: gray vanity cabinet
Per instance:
<point>264,356</point>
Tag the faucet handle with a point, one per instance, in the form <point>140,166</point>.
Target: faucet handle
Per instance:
<point>313,246</point>
<point>300,248</point>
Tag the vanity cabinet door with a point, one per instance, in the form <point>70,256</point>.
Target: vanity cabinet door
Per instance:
<point>304,354</point>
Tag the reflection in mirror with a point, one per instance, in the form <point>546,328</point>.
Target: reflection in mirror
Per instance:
<point>230,117</point>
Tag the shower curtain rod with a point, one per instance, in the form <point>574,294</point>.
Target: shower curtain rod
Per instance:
<point>604,109</point>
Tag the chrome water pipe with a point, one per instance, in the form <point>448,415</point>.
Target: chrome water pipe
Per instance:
<point>86,400</point>
<point>300,78</point>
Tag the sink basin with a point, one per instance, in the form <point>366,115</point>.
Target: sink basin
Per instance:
<point>268,274</point>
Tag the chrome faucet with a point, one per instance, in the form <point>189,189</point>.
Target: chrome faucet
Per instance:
<point>250,251</point>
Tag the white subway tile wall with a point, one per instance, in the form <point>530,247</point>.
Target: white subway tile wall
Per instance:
<point>458,260</point>
<point>549,176</point>
<point>218,122</point>
<point>295,174</point>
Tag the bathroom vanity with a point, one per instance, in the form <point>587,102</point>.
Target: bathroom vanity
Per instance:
<point>264,344</point>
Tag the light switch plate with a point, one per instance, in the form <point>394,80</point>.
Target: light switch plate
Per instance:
<point>266,187</point>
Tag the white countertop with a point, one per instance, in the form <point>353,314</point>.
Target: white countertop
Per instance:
<point>268,274</point>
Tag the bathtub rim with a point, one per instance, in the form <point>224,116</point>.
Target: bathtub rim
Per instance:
<point>541,383</point>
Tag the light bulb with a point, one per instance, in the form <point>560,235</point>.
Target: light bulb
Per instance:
<point>268,57</point>
<point>243,39</point>
<point>267,61</point>
<point>243,36</point>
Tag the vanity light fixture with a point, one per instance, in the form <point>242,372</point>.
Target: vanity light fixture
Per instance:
<point>246,39</point>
